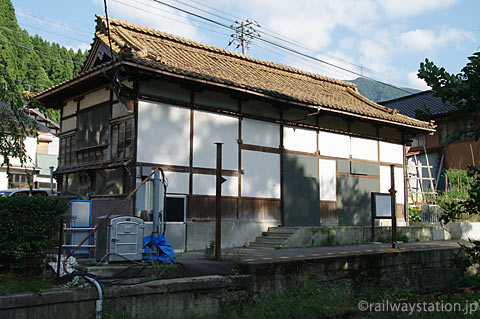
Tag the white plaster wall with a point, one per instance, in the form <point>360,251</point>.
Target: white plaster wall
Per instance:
<point>177,182</point>
<point>328,179</point>
<point>260,133</point>
<point>298,139</point>
<point>385,182</point>
<point>391,153</point>
<point>69,124</point>
<point>333,144</point>
<point>362,148</point>
<point>206,185</point>
<point>259,108</point>
<point>53,146</point>
<point>30,149</point>
<point>210,128</point>
<point>163,134</point>
<point>95,98</point>
<point>119,109</point>
<point>165,89</point>
<point>261,174</point>
<point>70,108</point>
<point>3,180</point>
<point>220,100</point>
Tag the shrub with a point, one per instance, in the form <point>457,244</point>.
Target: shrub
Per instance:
<point>30,226</point>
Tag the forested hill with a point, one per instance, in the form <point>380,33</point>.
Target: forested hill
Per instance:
<point>32,62</point>
<point>379,92</point>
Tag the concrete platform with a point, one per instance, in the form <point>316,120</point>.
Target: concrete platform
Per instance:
<point>194,263</point>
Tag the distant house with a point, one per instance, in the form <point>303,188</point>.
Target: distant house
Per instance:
<point>41,149</point>
<point>300,149</point>
<point>442,154</point>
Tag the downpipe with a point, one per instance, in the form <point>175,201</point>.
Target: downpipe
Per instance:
<point>99,301</point>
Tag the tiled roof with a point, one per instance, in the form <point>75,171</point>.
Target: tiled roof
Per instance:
<point>407,105</point>
<point>165,52</point>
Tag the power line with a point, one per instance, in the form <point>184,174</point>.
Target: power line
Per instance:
<point>205,11</point>
<point>5,74</point>
<point>292,41</point>
<point>41,52</point>
<point>212,8</point>
<point>169,18</point>
<point>52,22</point>
<point>65,36</point>
<point>282,46</point>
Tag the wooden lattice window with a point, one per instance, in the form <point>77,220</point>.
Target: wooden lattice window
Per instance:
<point>122,140</point>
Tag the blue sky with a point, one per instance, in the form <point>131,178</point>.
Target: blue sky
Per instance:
<point>381,39</point>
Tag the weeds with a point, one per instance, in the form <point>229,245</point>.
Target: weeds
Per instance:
<point>209,251</point>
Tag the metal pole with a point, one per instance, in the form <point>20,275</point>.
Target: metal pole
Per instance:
<point>244,47</point>
<point>218,204</point>
<point>392,192</point>
<point>156,202</point>
<point>51,178</point>
<point>60,244</point>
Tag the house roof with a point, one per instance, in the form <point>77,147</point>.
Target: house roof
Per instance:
<point>407,105</point>
<point>176,55</point>
<point>39,124</point>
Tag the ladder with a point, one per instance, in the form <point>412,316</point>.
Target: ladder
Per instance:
<point>420,194</point>
<point>423,196</point>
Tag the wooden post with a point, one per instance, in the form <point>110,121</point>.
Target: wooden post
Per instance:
<point>218,204</point>
<point>392,192</point>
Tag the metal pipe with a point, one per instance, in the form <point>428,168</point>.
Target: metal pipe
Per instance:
<point>156,203</point>
<point>392,192</point>
<point>218,204</point>
<point>51,178</point>
<point>99,301</point>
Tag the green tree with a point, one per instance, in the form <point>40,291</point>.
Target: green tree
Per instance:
<point>461,90</point>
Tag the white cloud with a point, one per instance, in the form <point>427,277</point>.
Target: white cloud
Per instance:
<point>424,39</point>
<point>417,83</point>
<point>154,15</point>
<point>82,46</point>
<point>408,8</point>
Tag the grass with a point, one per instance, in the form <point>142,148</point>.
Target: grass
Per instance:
<point>14,283</point>
<point>309,299</point>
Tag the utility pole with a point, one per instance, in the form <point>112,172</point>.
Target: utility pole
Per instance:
<point>244,33</point>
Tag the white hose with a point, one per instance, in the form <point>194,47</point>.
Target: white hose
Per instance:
<point>99,301</point>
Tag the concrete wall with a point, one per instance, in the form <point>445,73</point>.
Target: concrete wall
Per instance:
<point>235,233</point>
<point>464,231</point>
<point>351,235</point>
<point>212,295</point>
<point>414,270</point>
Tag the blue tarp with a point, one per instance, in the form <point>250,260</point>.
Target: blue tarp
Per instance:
<point>166,253</point>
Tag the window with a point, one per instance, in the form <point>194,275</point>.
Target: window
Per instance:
<point>67,151</point>
<point>122,137</point>
<point>92,127</point>
<point>419,141</point>
<point>19,181</point>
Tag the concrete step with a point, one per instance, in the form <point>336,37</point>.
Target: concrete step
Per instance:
<point>263,245</point>
<point>290,230</point>
<point>269,239</point>
<point>276,234</point>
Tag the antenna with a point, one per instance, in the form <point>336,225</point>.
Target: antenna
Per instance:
<point>244,33</point>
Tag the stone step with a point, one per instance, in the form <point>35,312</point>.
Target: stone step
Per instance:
<point>276,234</point>
<point>263,245</point>
<point>290,230</point>
<point>269,239</point>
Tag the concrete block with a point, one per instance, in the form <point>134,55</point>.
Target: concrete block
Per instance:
<point>235,233</point>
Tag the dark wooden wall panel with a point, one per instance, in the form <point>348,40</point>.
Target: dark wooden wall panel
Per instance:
<point>259,209</point>
<point>328,212</point>
<point>203,208</point>
<point>103,206</point>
